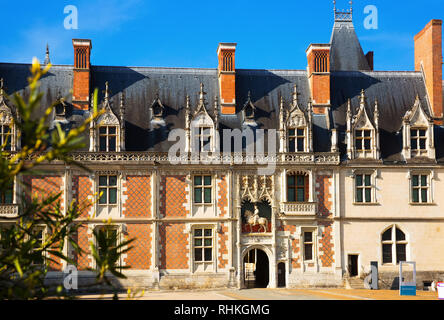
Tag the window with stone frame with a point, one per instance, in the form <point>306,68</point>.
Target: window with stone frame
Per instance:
<point>107,189</point>
<point>364,188</point>
<point>296,140</point>
<point>297,188</point>
<point>203,245</point>
<point>202,189</point>
<point>394,246</point>
<point>108,138</point>
<point>308,245</point>
<point>418,141</point>
<point>204,139</point>
<point>111,233</point>
<point>5,137</point>
<point>363,140</point>
<point>420,188</point>
<point>38,256</point>
<point>7,195</point>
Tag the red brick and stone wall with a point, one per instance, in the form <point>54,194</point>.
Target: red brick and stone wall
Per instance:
<point>138,197</point>
<point>174,244</point>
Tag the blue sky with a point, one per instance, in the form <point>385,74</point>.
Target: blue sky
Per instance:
<point>269,34</point>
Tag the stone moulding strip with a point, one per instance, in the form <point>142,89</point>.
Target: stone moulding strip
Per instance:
<point>231,159</point>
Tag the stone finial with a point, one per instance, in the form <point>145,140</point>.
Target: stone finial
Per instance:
<point>47,60</point>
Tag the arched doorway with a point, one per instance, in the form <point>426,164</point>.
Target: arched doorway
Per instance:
<point>256,269</point>
<point>281,275</point>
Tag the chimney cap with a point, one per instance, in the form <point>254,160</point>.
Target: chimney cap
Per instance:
<point>81,42</point>
<point>226,45</point>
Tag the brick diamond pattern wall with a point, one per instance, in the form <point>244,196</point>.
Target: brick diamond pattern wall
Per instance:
<point>42,187</point>
<point>223,249</point>
<point>323,184</point>
<point>84,260</point>
<point>326,247</point>
<point>222,202</point>
<point>173,196</point>
<point>82,188</point>
<point>173,242</point>
<point>294,246</point>
<point>139,257</point>
<point>138,192</point>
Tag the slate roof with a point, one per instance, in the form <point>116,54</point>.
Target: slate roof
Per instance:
<point>395,92</point>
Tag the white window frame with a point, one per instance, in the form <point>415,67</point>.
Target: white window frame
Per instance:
<point>213,237</point>
<point>107,136</point>
<point>119,231</point>
<point>393,242</point>
<point>296,137</point>
<point>373,180</point>
<point>418,152</point>
<point>430,178</point>
<point>203,186</point>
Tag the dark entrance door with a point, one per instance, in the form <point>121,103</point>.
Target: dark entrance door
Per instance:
<point>281,275</point>
<point>256,269</point>
<point>353,265</point>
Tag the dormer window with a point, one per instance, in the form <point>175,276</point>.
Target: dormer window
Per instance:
<point>204,138</point>
<point>5,137</point>
<point>249,110</point>
<point>418,141</point>
<point>157,109</point>
<point>296,140</point>
<point>107,138</point>
<point>363,140</point>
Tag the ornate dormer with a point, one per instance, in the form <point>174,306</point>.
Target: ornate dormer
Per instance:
<point>202,126</point>
<point>107,129</point>
<point>343,15</point>
<point>157,109</point>
<point>8,131</point>
<point>60,107</point>
<point>249,112</point>
<point>296,126</point>
<point>418,136</point>
<point>362,131</point>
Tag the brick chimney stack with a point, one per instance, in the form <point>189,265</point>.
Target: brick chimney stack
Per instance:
<point>318,56</point>
<point>227,77</point>
<point>82,74</point>
<point>428,58</point>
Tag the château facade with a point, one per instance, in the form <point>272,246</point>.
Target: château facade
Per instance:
<point>345,163</point>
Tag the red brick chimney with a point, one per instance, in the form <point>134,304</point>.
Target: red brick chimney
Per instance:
<point>428,57</point>
<point>82,74</point>
<point>318,56</point>
<point>370,59</point>
<point>227,77</point>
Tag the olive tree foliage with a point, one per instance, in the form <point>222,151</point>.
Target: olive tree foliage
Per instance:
<point>26,256</point>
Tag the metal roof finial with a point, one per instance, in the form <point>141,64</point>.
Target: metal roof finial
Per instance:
<point>47,60</point>
<point>334,6</point>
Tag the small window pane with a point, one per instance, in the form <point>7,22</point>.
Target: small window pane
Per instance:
<point>415,181</point>
<point>367,180</point>
<point>422,144</point>
<point>198,232</point>
<point>308,254</point>
<point>424,181</point>
<point>111,130</point>
<point>208,232</point>
<point>8,196</point>
<point>300,180</point>
<point>367,133</point>
<point>291,195</point>
<point>308,236</point>
<point>301,195</point>
<point>414,144</point>
<point>112,195</point>
<point>207,195</point>
<point>367,145</point>
<point>400,236</point>
<point>290,180</point>
<point>198,180</point>
<point>102,144</point>
<point>359,195</point>
<point>368,195</point>
<point>422,133</point>
<point>386,253</point>
<point>387,235</point>
<point>112,144</point>
<point>207,243</point>
<point>207,180</point>
<point>400,252</point>
<point>291,145</point>
<point>103,181</point>
<point>198,254</point>
<point>198,242</point>
<point>291,132</point>
<point>424,195</point>
<point>208,254</point>
<point>415,195</point>
<point>103,197</point>
<point>359,180</point>
<point>359,144</point>
<point>198,195</point>
<point>300,144</point>
<point>102,130</point>
<point>112,181</point>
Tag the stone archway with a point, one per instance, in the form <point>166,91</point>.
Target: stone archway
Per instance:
<point>256,268</point>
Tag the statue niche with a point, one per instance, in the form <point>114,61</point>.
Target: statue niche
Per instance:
<point>256,217</point>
